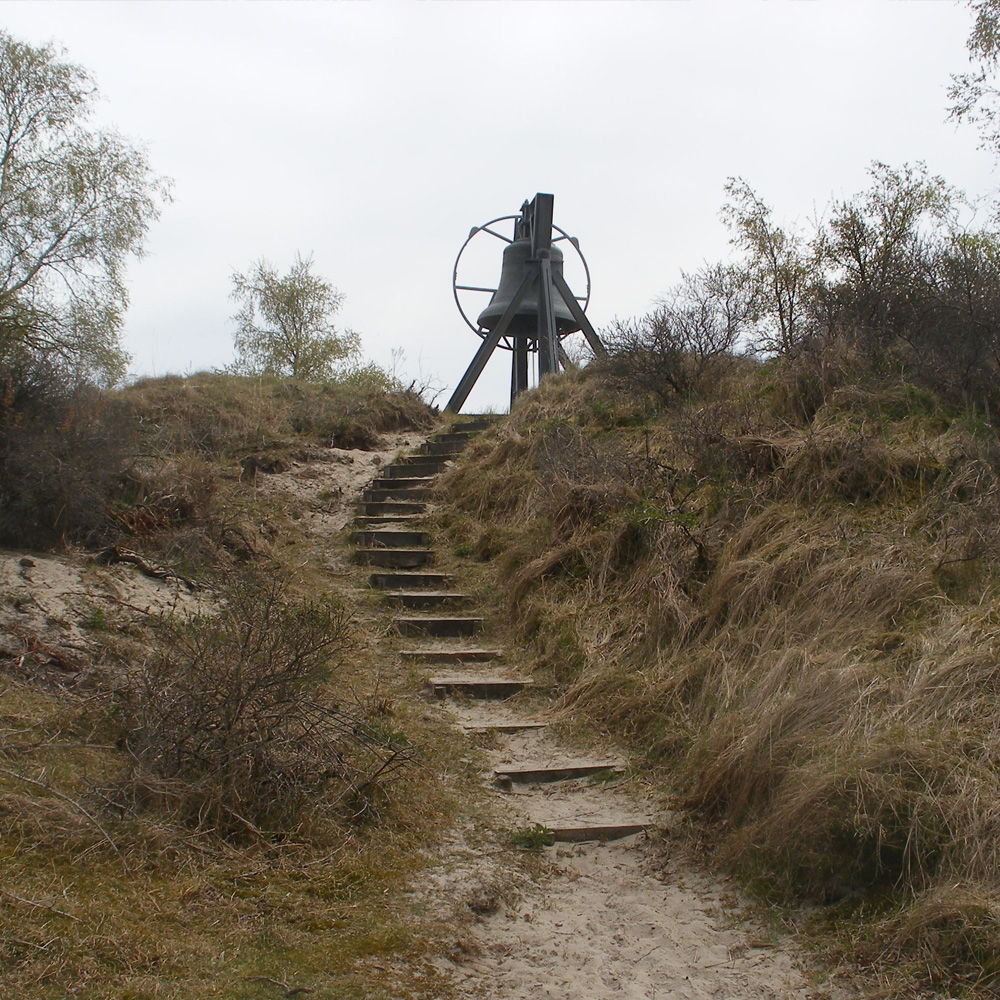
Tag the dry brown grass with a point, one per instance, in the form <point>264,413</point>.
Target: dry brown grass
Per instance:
<point>108,903</point>
<point>226,415</point>
<point>787,598</point>
<point>274,855</point>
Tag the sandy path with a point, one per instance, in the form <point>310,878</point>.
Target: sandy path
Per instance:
<point>604,924</point>
<point>617,920</point>
<point>610,921</point>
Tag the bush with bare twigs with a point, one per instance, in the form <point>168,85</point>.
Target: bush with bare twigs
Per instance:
<point>228,727</point>
<point>61,457</point>
<point>688,342</point>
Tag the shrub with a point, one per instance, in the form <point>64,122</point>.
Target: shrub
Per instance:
<point>61,456</point>
<point>226,726</point>
<point>686,343</point>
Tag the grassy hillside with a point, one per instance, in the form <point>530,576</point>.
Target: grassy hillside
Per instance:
<point>783,592</point>
<point>208,785</point>
<point>780,590</point>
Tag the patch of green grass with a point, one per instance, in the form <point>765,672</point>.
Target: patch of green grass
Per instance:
<point>532,838</point>
<point>605,777</point>
<point>96,621</point>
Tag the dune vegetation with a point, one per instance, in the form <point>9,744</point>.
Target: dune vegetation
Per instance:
<point>759,543</point>
<point>207,788</point>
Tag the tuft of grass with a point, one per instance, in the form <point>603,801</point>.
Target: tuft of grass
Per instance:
<point>532,838</point>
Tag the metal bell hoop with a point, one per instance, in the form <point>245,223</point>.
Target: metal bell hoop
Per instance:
<point>532,308</point>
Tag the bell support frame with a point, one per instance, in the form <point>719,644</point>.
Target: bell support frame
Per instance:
<point>535,221</point>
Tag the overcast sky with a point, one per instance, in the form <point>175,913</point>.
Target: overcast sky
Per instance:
<point>375,135</point>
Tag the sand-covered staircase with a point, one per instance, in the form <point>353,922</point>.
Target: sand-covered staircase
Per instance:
<point>557,793</point>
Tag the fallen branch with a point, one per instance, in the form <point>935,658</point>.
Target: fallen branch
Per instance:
<point>113,554</point>
<point>289,991</point>
<point>37,649</point>
<point>39,905</point>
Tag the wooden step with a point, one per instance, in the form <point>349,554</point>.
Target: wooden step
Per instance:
<point>596,832</point>
<point>374,509</point>
<point>440,627</point>
<point>459,439</point>
<point>450,655</point>
<point>391,538</point>
<point>426,598</point>
<point>441,449</point>
<point>478,685</point>
<point>394,558</point>
<point>505,727</point>
<point>401,482</point>
<point>397,495</point>
<point>424,458</point>
<point>425,469</point>
<point>539,773</point>
<point>384,520</point>
<point>409,581</point>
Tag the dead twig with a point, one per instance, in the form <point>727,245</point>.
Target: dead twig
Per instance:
<point>23,748</point>
<point>39,905</point>
<point>289,991</point>
<point>37,649</point>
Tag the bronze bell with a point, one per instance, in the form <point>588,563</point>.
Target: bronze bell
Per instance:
<point>525,322</point>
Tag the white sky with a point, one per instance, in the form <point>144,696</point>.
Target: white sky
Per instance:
<point>375,135</point>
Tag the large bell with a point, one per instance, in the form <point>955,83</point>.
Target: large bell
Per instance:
<point>525,322</point>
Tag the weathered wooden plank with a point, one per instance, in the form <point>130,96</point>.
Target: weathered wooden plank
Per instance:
<point>537,773</point>
<point>440,627</point>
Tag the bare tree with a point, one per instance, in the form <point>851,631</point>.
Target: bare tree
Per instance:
<point>780,265</point>
<point>689,337</point>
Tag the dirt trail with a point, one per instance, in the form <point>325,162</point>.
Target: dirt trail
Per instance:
<point>611,920</point>
<point>606,920</point>
<point>606,924</point>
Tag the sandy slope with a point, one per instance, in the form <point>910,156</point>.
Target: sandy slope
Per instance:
<point>47,602</point>
<point>49,599</point>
